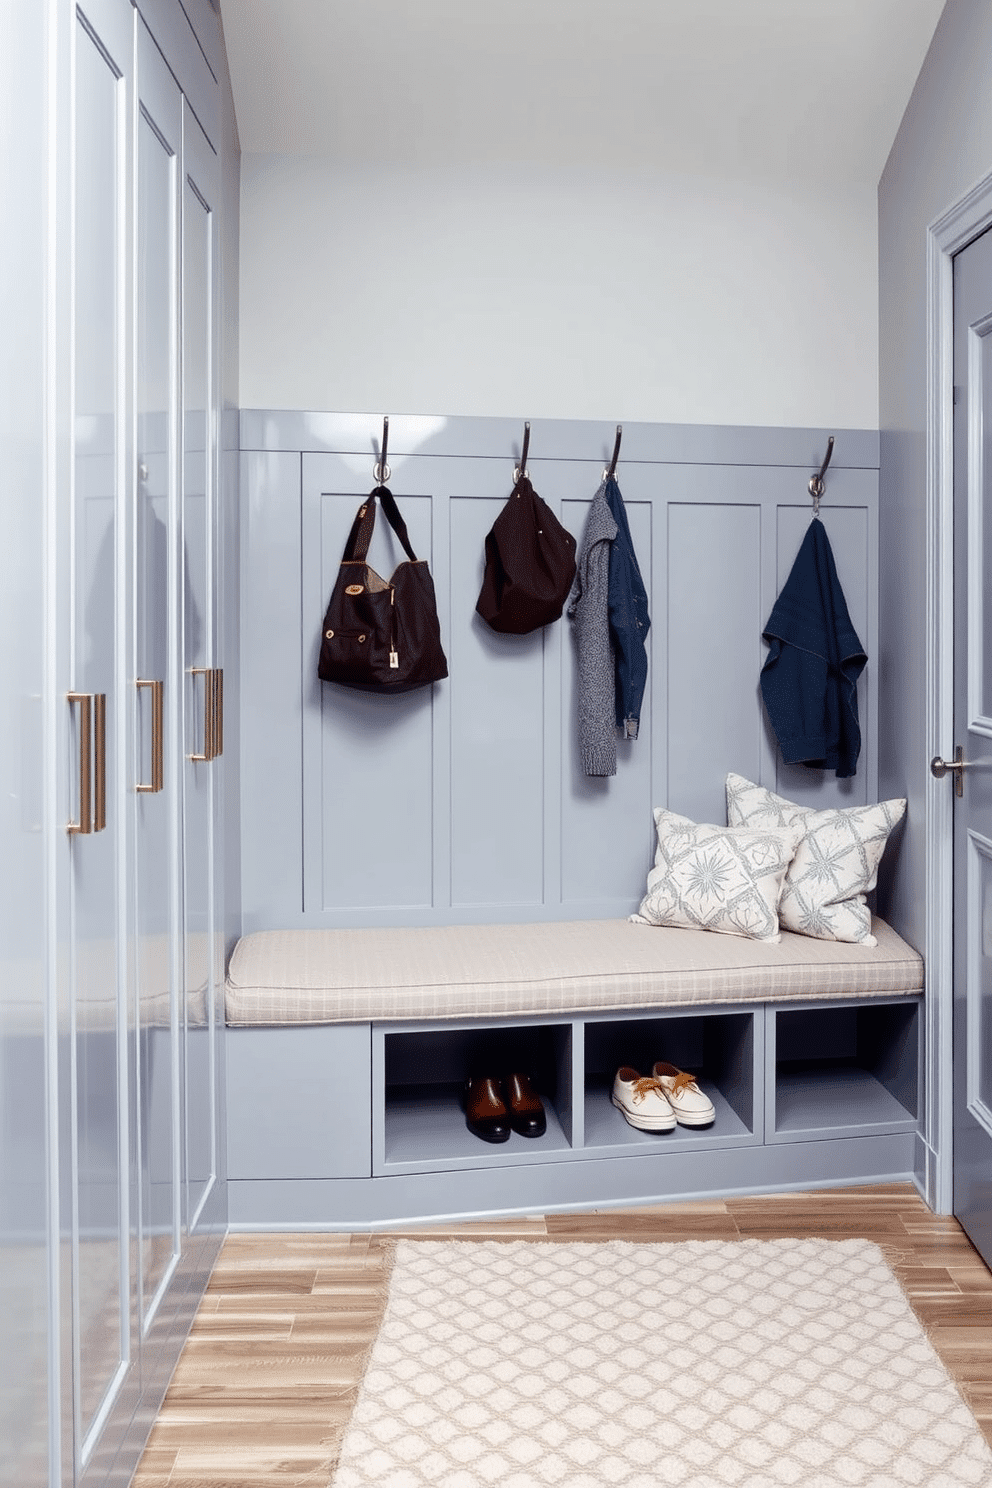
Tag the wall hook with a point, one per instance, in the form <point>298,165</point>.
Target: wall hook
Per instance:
<point>611,469</point>
<point>381,470</point>
<point>519,471</point>
<point>816,486</point>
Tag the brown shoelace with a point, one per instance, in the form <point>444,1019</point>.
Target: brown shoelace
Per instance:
<point>683,1081</point>
<point>644,1085</point>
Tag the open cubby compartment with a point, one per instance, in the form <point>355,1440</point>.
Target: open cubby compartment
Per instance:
<point>719,1046</point>
<point>843,1069</point>
<point>419,1075</point>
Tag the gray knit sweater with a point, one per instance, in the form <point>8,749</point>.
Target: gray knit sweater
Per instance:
<point>588,610</point>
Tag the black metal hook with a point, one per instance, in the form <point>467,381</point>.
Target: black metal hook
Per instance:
<point>816,486</point>
<point>611,469</point>
<point>519,471</point>
<point>381,470</point>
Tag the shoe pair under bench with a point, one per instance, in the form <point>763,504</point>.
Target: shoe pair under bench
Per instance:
<point>657,1101</point>
<point>496,1105</point>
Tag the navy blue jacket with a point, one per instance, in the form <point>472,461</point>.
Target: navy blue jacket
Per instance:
<point>629,622</point>
<point>809,681</point>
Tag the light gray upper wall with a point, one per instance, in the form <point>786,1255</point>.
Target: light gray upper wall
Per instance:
<point>943,147</point>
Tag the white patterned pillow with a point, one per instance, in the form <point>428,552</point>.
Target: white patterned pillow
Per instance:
<point>727,879</point>
<point>836,862</point>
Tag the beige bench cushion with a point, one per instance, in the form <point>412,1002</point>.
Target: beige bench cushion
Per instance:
<point>280,977</point>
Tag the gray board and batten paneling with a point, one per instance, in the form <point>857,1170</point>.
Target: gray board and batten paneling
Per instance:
<point>466,802</point>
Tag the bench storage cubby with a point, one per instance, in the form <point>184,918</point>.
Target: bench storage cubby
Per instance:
<point>360,1122</point>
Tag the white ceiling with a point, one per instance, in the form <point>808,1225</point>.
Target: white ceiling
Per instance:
<point>793,89</point>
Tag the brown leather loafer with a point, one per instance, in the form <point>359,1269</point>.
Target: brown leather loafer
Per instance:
<point>526,1112</point>
<point>485,1114</point>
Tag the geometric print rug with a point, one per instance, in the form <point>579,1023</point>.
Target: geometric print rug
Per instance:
<point>703,1364</point>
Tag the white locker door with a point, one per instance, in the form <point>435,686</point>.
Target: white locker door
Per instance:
<point>95,713</point>
<point>155,684</point>
<point>201,683</point>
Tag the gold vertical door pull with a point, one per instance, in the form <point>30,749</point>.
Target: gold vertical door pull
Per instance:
<point>100,761</point>
<point>213,712</point>
<point>155,784</point>
<point>205,673</point>
<point>84,825</point>
<point>212,689</point>
<point>219,722</point>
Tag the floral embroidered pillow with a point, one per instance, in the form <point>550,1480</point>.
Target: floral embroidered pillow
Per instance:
<point>727,879</point>
<point>836,862</point>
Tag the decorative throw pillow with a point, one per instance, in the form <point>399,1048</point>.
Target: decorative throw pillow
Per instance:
<point>836,862</point>
<point>727,879</point>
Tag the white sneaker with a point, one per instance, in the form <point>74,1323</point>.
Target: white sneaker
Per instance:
<point>642,1101</point>
<point>689,1105</point>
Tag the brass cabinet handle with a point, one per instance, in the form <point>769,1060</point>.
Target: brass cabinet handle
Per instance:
<point>219,712</point>
<point>100,752</point>
<point>213,712</point>
<point>157,690</point>
<point>84,825</point>
<point>205,673</point>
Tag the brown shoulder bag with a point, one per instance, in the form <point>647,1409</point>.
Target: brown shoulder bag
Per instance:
<point>379,635</point>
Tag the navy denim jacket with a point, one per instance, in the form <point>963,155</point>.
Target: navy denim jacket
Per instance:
<point>810,680</point>
<point>629,621</point>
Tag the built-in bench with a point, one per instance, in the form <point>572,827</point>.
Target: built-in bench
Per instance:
<point>347,1050</point>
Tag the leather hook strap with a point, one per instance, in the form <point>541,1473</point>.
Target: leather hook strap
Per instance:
<point>356,549</point>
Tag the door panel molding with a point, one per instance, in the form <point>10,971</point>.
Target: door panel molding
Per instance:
<point>979,851</point>
<point>978,391</point>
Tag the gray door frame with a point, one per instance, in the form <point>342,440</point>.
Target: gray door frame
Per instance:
<point>950,232</point>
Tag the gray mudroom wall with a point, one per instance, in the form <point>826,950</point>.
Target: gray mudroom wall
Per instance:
<point>944,146</point>
<point>466,802</point>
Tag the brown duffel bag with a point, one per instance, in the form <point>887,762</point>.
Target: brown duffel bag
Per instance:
<point>530,565</point>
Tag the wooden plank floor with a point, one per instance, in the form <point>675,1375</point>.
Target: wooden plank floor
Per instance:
<point>268,1376</point>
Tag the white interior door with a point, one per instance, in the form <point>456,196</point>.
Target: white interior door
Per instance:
<point>973,735</point>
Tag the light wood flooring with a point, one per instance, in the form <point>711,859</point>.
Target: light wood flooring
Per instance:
<point>267,1379</point>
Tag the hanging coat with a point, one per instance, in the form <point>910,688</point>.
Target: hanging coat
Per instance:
<point>588,610</point>
<point>629,621</point>
<point>809,680</point>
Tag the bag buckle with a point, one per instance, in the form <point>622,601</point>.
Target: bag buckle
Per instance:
<point>394,660</point>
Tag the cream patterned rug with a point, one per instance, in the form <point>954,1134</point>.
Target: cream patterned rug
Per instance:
<point>697,1364</point>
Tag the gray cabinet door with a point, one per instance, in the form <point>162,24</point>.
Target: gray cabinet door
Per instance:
<point>202,744</point>
<point>95,716</point>
<point>154,683</point>
<point>24,1276</point>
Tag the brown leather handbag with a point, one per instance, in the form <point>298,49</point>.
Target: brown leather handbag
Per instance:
<point>379,635</point>
<point>530,565</point>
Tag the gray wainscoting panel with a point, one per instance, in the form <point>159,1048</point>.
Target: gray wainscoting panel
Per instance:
<point>466,801</point>
<point>497,736</point>
<point>271,686</point>
<point>714,653</point>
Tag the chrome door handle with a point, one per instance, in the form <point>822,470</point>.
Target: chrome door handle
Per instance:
<point>939,768</point>
<point>156,781</point>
